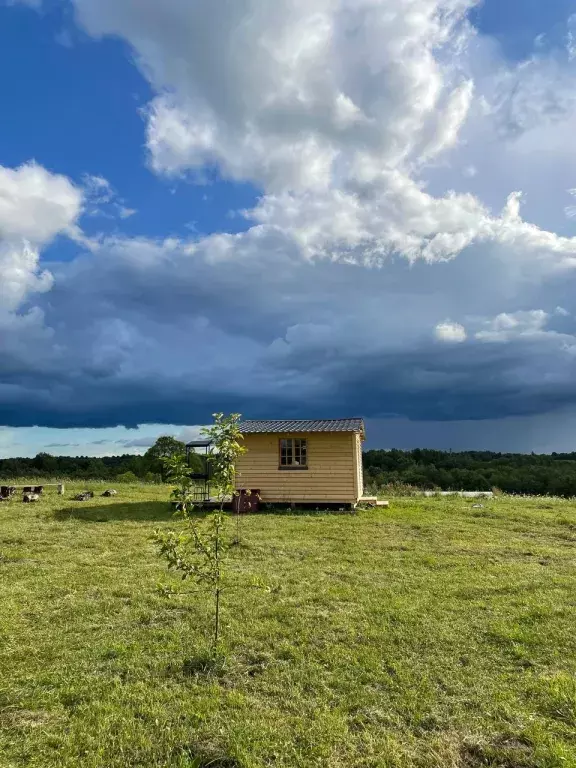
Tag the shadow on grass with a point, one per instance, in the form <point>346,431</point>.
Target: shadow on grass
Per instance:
<point>96,512</point>
<point>196,757</point>
<point>307,510</point>
<point>89,512</point>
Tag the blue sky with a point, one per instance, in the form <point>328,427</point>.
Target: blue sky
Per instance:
<point>327,209</point>
<point>75,107</point>
<point>517,24</point>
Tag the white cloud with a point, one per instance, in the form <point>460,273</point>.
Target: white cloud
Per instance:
<point>101,199</point>
<point>450,333</point>
<point>507,326</point>
<point>281,93</point>
<point>340,150</point>
<point>35,204</point>
<point>570,210</point>
<point>451,118</point>
<point>125,212</point>
<point>571,37</point>
<point>98,189</point>
<point>20,275</point>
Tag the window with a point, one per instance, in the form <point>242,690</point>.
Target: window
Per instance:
<point>293,454</point>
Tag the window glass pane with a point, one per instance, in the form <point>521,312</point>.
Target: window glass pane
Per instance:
<point>293,452</point>
<point>286,452</point>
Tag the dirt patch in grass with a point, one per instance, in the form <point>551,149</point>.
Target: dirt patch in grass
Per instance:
<point>502,751</point>
<point>24,718</point>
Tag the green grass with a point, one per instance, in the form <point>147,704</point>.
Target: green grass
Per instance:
<point>428,634</point>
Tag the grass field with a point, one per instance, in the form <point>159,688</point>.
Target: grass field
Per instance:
<point>428,634</point>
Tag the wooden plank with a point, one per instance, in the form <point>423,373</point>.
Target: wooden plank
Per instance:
<point>332,474</point>
<point>59,486</point>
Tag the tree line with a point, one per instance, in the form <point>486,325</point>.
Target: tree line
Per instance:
<point>127,468</point>
<point>534,474</point>
<point>542,474</point>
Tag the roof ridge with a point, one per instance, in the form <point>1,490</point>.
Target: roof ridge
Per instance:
<point>349,424</point>
<point>343,418</point>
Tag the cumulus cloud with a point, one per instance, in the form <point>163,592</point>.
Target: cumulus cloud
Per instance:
<point>507,326</point>
<point>278,92</point>
<point>20,276</point>
<point>35,206</point>
<point>341,150</point>
<point>451,333</point>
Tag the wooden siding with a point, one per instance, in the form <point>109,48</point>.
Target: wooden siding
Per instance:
<point>358,462</point>
<point>332,474</point>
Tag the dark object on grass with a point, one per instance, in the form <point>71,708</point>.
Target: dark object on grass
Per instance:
<point>110,492</point>
<point>84,496</point>
<point>7,491</point>
<point>27,498</point>
<point>246,501</point>
<point>28,489</point>
<point>39,489</point>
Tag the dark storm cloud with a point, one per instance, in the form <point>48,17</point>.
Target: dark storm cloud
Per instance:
<point>142,332</point>
<point>310,377</point>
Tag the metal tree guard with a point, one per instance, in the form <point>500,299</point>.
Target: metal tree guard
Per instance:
<point>202,492</point>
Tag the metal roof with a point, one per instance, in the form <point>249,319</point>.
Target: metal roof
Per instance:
<point>251,426</point>
<point>199,444</point>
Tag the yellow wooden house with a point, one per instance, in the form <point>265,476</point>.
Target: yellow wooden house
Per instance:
<point>303,462</point>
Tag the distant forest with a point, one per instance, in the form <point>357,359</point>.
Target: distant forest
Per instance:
<point>553,474</point>
<point>542,474</point>
<point>44,465</point>
<point>128,468</point>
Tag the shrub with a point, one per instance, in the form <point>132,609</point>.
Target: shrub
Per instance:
<point>152,477</point>
<point>127,477</point>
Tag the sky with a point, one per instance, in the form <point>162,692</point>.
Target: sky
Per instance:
<point>306,208</point>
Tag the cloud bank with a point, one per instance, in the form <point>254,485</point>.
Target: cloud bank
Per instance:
<point>406,257</point>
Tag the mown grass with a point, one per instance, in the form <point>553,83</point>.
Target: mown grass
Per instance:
<point>429,634</point>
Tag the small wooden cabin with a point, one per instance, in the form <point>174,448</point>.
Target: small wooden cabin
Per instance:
<point>303,461</point>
